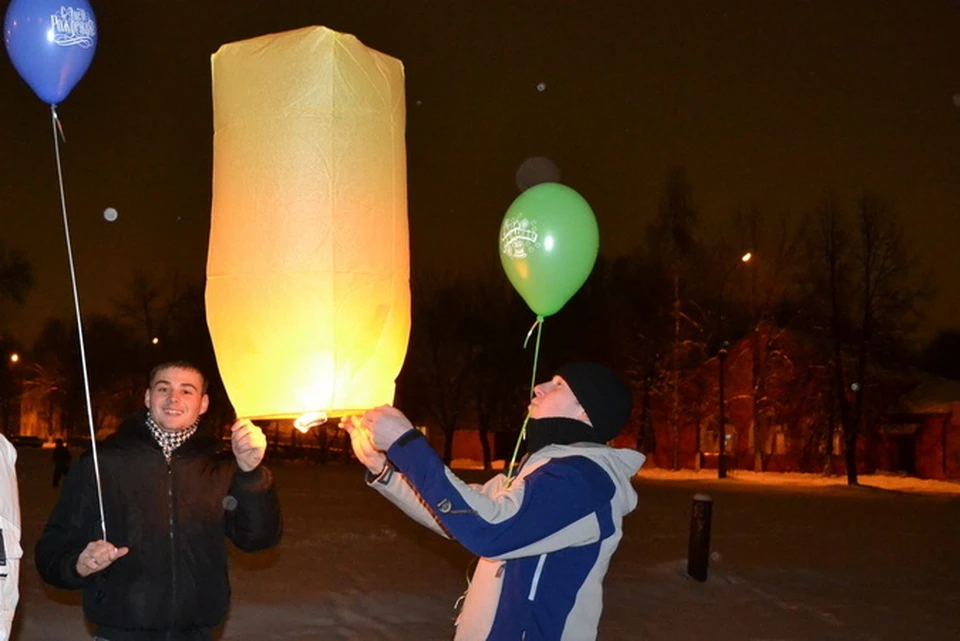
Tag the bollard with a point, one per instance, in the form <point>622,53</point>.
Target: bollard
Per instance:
<point>698,557</point>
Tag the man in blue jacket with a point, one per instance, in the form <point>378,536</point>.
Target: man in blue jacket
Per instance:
<point>545,537</point>
<point>171,497</point>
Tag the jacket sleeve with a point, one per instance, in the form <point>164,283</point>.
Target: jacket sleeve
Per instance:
<point>255,523</point>
<point>73,524</point>
<point>9,538</point>
<point>552,508</point>
<point>396,489</point>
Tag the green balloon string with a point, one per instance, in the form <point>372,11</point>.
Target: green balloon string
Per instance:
<point>538,326</point>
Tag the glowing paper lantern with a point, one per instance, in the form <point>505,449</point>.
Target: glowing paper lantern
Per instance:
<point>308,294</point>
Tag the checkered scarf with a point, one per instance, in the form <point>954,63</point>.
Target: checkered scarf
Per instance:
<point>169,441</point>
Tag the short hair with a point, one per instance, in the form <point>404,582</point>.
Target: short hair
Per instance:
<point>179,365</point>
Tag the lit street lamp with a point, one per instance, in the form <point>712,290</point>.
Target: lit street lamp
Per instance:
<point>9,391</point>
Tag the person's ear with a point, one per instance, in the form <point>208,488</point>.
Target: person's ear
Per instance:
<point>204,404</point>
<point>146,397</point>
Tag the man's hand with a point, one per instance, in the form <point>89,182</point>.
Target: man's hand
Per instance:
<point>248,443</point>
<point>386,425</point>
<point>97,556</point>
<point>362,442</point>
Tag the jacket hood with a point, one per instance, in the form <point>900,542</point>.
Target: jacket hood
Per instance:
<point>620,464</point>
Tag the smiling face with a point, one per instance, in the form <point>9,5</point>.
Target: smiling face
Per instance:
<point>175,398</point>
<point>555,399</point>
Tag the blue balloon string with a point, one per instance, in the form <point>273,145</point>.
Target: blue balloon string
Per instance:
<point>57,127</point>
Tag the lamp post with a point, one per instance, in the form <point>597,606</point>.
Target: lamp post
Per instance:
<point>722,459</point>
<point>721,359</point>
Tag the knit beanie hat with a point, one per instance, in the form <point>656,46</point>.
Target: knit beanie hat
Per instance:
<point>604,396</point>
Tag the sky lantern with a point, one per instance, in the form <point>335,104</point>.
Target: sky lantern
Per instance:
<point>308,271</point>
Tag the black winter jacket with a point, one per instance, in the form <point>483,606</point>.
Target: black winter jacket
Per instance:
<point>173,583</point>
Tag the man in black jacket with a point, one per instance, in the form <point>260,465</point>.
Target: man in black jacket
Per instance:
<point>170,497</point>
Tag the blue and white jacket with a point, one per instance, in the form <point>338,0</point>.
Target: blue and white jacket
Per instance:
<point>545,539</point>
<point>11,552</point>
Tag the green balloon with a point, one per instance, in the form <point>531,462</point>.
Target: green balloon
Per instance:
<point>548,245</point>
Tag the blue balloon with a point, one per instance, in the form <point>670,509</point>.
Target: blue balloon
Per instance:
<point>51,44</point>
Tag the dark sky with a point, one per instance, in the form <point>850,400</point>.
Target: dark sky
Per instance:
<point>770,103</point>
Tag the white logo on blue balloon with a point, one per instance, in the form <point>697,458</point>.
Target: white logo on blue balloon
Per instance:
<point>72,27</point>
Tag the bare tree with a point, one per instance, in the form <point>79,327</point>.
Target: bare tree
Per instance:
<point>16,275</point>
<point>870,285</point>
<point>500,382</point>
<point>16,279</point>
<point>774,246</point>
<point>672,241</point>
<point>150,305</point>
<point>436,379</point>
<point>638,289</point>
<point>54,376</point>
<point>888,292</point>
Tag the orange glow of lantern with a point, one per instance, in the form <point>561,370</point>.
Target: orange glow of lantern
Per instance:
<point>308,292</point>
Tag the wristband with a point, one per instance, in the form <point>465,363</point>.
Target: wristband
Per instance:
<point>383,477</point>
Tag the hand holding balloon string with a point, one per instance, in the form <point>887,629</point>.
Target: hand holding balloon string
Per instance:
<point>98,556</point>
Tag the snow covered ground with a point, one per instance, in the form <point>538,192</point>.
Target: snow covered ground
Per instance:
<point>798,558</point>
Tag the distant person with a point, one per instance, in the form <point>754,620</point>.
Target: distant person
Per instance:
<point>61,461</point>
<point>170,497</point>
<point>545,538</point>
<point>10,551</point>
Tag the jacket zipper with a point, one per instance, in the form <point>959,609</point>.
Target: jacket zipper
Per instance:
<point>173,554</point>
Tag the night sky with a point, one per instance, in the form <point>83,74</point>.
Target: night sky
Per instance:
<point>766,103</point>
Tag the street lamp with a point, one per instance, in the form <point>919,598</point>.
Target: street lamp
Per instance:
<point>721,359</point>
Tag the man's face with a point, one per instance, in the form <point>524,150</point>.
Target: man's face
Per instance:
<point>175,398</point>
<point>555,399</point>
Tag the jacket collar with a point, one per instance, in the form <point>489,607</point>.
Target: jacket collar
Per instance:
<point>134,431</point>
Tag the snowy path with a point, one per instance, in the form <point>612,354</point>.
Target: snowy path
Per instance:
<point>797,563</point>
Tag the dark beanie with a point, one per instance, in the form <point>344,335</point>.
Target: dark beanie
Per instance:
<point>604,396</point>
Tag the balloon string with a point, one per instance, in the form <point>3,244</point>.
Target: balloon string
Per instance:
<point>537,325</point>
<point>57,127</point>
<point>516,449</point>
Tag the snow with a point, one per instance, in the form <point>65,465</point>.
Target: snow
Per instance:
<point>892,482</point>
<point>797,558</point>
